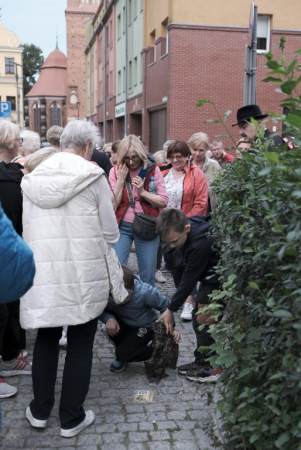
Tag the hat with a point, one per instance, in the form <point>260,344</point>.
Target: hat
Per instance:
<point>245,113</point>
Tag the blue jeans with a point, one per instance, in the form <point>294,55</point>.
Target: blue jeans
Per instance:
<point>146,252</point>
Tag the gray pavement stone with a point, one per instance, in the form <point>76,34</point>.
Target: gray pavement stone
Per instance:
<point>174,420</point>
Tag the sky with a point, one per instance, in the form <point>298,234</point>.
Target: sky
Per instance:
<point>36,22</point>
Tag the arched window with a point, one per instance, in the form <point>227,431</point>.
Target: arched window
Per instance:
<point>36,117</point>
<point>55,114</point>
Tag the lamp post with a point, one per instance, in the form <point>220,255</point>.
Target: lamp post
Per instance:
<point>18,92</point>
<point>78,105</point>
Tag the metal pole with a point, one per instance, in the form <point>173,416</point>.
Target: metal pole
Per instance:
<point>126,69</point>
<point>104,80</point>
<point>254,59</point>
<point>18,94</point>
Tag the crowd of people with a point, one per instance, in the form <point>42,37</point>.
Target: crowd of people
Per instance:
<point>72,204</point>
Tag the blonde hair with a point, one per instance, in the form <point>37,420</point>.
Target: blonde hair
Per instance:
<point>197,139</point>
<point>31,142</point>
<point>9,132</point>
<point>35,159</point>
<point>161,156</point>
<point>134,143</point>
<point>109,144</point>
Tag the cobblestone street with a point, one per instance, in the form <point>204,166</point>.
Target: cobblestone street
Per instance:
<point>174,420</point>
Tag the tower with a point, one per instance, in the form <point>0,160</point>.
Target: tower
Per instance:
<point>78,12</point>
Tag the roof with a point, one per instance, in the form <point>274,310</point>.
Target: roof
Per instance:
<point>53,77</point>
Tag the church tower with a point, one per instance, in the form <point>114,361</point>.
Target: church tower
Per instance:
<point>78,12</point>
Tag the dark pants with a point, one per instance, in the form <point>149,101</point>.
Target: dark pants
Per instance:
<point>76,374</point>
<point>12,336</point>
<point>203,337</point>
<point>131,343</point>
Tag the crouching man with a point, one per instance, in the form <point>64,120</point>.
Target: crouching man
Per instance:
<point>189,236</point>
<point>129,324</point>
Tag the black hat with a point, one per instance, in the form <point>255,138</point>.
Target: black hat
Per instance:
<point>245,113</point>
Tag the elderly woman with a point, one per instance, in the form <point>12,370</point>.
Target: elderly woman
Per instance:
<point>12,336</point>
<point>125,181</point>
<point>199,144</point>
<point>68,223</point>
<point>53,136</point>
<point>30,144</point>
<point>187,190</point>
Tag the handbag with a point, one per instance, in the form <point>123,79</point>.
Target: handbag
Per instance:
<point>144,225</point>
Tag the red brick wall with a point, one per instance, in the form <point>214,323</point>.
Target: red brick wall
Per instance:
<point>208,63</point>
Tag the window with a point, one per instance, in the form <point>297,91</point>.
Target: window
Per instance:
<point>119,26</point>
<point>164,37</point>
<point>135,72</point>
<point>10,65</point>
<point>36,117</point>
<point>152,47</point>
<point>55,114</point>
<point>263,34</point>
<point>12,100</point>
<point>119,83</point>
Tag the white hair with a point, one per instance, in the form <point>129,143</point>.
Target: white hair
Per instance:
<point>8,133</point>
<point>78,133</point>
<point>31,142</point>
<point>166,145</point>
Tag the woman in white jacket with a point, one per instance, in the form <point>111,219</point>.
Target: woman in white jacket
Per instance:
<point>68,220</point>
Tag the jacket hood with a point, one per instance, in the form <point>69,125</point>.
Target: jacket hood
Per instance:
<point>201,228</point>
<point>58,179</point>
<point>11,172</point>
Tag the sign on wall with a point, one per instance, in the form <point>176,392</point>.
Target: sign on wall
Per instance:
<point>5,111</point>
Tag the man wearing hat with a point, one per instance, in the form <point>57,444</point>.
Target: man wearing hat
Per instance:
<point>248,130</point>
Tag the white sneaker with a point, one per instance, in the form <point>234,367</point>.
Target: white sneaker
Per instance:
<point>159,277</point>
<point>187,312</point>
<point>18,366</point>
<point>36,423</point>
<point>63,340</point>
<point>6,390</point>
<point>88,420</point>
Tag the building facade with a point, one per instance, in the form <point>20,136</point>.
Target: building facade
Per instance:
<point>11,76</point>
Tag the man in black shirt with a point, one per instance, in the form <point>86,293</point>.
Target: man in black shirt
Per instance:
<point>102,160</point>
<point>199,258</point>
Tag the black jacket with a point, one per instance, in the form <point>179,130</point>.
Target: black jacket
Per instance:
<point>277,140</point>
<point>102,160</point>
<point>10,193</point>
<point>200,257</point>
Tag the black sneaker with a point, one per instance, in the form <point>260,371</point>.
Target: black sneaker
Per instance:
<point>205,374</point>
<point>187,367</point>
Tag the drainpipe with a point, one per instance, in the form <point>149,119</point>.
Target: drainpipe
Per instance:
<point>126,70</point>
<point>104,79</point>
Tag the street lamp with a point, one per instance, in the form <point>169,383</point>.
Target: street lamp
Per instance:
<point>78,105</point>
<point>18,92</point>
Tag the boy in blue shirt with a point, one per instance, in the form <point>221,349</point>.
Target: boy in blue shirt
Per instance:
<point>129,325</point>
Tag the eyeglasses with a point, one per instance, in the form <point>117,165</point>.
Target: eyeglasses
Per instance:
<point>176,157</point>
<point>216,149</point>
<point>134,158</point>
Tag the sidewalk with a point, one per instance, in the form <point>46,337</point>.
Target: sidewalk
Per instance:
<point>174,420</point>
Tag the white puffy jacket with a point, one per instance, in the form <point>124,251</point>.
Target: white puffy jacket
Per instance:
<point>67,220</point>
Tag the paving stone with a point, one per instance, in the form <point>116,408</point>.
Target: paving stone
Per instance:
<point>162,435</point>
<point>185,446</point>
<point>123,427</point>
<point>138,437</point>
<point>146,426</point>
<point>182,435</point>
<point>167,425</point>
<point>159,445</point>
<point>113,438</point>
<point>177,415</point>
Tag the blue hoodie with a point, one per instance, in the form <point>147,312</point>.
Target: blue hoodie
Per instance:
<point>141,310</point>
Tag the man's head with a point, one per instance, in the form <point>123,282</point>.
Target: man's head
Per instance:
<point>81,137</point>
<point>246,129</point>
<point>173,227</point>
<point>53,135</point>
<point>217,148</point>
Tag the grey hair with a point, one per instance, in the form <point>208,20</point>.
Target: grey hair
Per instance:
<point>34,159</point>
<point>167,144</point>
<point>9,131</point>
<point>77,133</point>
<point>31,142</point>
<point>53,135</point>
<point>217,142</point>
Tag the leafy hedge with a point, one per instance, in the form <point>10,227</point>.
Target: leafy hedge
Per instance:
<point>257,223</point>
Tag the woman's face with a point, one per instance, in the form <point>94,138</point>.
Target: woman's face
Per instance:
<point>108,151</point>
<point>132,160</point>
<point>198,153</point>
<point>178,161</point>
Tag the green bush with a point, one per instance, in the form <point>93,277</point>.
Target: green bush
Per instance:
<point>257,224</point>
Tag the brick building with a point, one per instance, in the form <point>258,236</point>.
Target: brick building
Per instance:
<point>148,62</point>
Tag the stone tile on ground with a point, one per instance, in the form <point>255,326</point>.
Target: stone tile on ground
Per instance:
<point>174,420</point>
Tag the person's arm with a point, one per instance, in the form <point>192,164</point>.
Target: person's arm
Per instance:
<point>105,316</point>
<point>117,180</point>
<point>200,203</point>
<point>106,215</point>
<point>17,267</point>
<point>154,299</point>
<point>160,199</point>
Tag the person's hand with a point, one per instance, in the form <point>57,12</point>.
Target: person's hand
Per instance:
<point>176,336</point>
<point>112,327</point>
<point>139,184</point>
<point>167,317</point>
<point>122,172</point>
